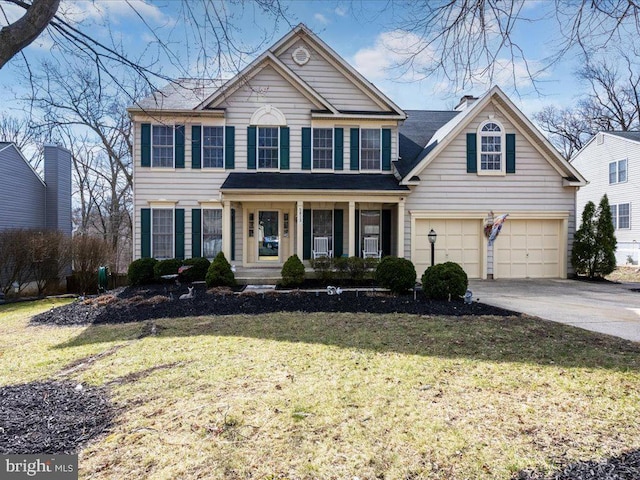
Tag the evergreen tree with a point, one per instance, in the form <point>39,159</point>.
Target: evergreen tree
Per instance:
<point>584,243</point>
<point>605,239</point>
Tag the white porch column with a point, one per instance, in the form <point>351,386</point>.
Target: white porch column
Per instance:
<point>352,230</point>
<point>299,229</point>
<point>226,229</point>
<point>401,229</point>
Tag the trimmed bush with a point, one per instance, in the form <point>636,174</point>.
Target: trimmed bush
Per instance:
<point>198,270</point>
<point>169,266</point>
<point>219,273</point>
<point>140,271</point>
<point>444,281</point>
<point>341,266</point>
<point>292,272</point>
<point>356,268</point>
<point>324,268</point>
<point>396,274</point>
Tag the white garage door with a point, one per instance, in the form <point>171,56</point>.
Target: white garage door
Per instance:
<point>529,249</point>
<point>458,241</point>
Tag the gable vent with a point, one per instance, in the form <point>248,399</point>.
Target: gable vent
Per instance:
<point>599,139</point>
<point>301,56</point>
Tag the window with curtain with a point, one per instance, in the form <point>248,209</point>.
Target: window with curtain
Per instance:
<point>211,232</point>
<point>162,233</point>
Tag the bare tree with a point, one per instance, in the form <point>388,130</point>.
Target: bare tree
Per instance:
<point>26,136</point>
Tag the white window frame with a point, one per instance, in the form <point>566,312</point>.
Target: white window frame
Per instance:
<point>173,146</point>
<point>615,216</point>
<point>379,169</point>
<point>364,234</point>
<point>503,158</point>
<point>333,149</point>
<point>202,233</point>
<point>331,235</point>
<point>273,169</point>
<point>202,146</point>
<point>616,164</point>
<point>173,232</point>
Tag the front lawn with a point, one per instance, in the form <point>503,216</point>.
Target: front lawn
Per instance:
<point>338,395</point>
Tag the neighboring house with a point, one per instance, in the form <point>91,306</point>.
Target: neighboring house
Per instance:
<point>28,201</point>
<point>610,162</point>
<point>300,148</point>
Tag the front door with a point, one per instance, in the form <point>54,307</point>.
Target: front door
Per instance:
<point>268,236</point>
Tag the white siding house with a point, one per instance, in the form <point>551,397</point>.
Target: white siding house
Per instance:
<point>610,162</point>
<point>300,149</point>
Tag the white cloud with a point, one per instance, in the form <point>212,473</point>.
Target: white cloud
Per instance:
<point>321,18</point>
<point>78,11</point>
<point>341,11</point>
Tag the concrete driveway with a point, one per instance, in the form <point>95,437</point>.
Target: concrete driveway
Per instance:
<point>604,307</point>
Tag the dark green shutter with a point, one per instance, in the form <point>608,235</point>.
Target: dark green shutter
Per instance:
<point>386,232</point>
<point>251,148</point>
<point>355,149</point>
<point>145,237</point>
<point>233,234</point>
<point>386,149</point>
<point>284,148</point>
<point>179,231</point>
<point>196,232</point>
<point>306,148</point>
<point>145,144</point>
<point>229,148</point>
<point>179,142</point>
<point>357,252</point>
<point>511,153</point>
<point>472,153</point>
<point>338,232</point>
<point>196,147</point>
<point>306,234</point>
<point>338,146</point>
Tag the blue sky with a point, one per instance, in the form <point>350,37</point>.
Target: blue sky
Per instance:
<point>360,31</point>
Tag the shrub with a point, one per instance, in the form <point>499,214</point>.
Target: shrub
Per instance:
<point>219,273</point>
<point>140,272</point>
<point>356,268</point>
<point>198,270</point>
<point>396,274</point>
<point>341,266</point>
<point>89,253</point>
<point>324,268</point>
<point>292,272</point>
<point>169,266</point>
<point>444,281</point>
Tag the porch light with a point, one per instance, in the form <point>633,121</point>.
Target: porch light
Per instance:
<point>432,236</point>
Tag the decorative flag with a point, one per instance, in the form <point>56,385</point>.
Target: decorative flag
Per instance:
<point>497,226</point>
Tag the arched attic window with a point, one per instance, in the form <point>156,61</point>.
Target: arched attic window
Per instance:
<point>491,145</point>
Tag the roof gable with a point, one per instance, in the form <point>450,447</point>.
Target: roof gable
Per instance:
<point>4,146</point>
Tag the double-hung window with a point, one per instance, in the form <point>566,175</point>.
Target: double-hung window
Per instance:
<point>268,151</point>
<point>621,216</point>
<point>370,149</point>
<point>211,232</point>
<point>162,233</point>
<point>162,154</point>
<point>322,148</point>
<point>213,147</point>
<point>491,148</point>
<point>323,225</point>
<point>618,171</point>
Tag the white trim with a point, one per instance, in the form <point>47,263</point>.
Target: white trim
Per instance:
<point>333,150</point>
<point>333,237</point>
<point>202,210</point>
<point>265,169</point>
<point>368,170</point>
<point>173,145</point>
<point>617,164</point>
<point>173,230</point>
<point>503,157</point>
<point>268,115</point>
<point>224,148</point>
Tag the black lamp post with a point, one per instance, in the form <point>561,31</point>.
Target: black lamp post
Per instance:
<point>432,240</point>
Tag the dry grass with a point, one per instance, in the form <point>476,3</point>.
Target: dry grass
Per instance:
<point>625,274</point>
<point>338,396</point>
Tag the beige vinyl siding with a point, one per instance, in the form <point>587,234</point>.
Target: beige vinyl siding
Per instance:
<point>593,162</point>
<point>328,81</point>
<point>536,186</point>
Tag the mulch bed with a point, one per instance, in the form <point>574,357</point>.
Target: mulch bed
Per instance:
<point>623,467</point>
<point>157,301</point>
<point>54,417</point>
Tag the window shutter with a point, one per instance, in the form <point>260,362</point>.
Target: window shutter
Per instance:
<point>251,148</point>
<point>306,148</point>
<point>306,234</point>
<point>357,252</point>
<point>196,149</point>
<point>472,153</point>
<point>145,144</point>
<point>338,149</point>
<point>338,232</point>
<point>233,234</point>
<point>511,152</point>
<point>229,148</point>
<point>386,232</point>
<point>179,145</point>
<point>355,149</point>
<point>179,231</point>
<point>284,148</point>
<point>386,149</point>
<point>145,237</point>
<point>196,232</point>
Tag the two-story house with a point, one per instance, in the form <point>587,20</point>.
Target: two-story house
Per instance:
<point>608,162</point>
<point>299,147</point>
